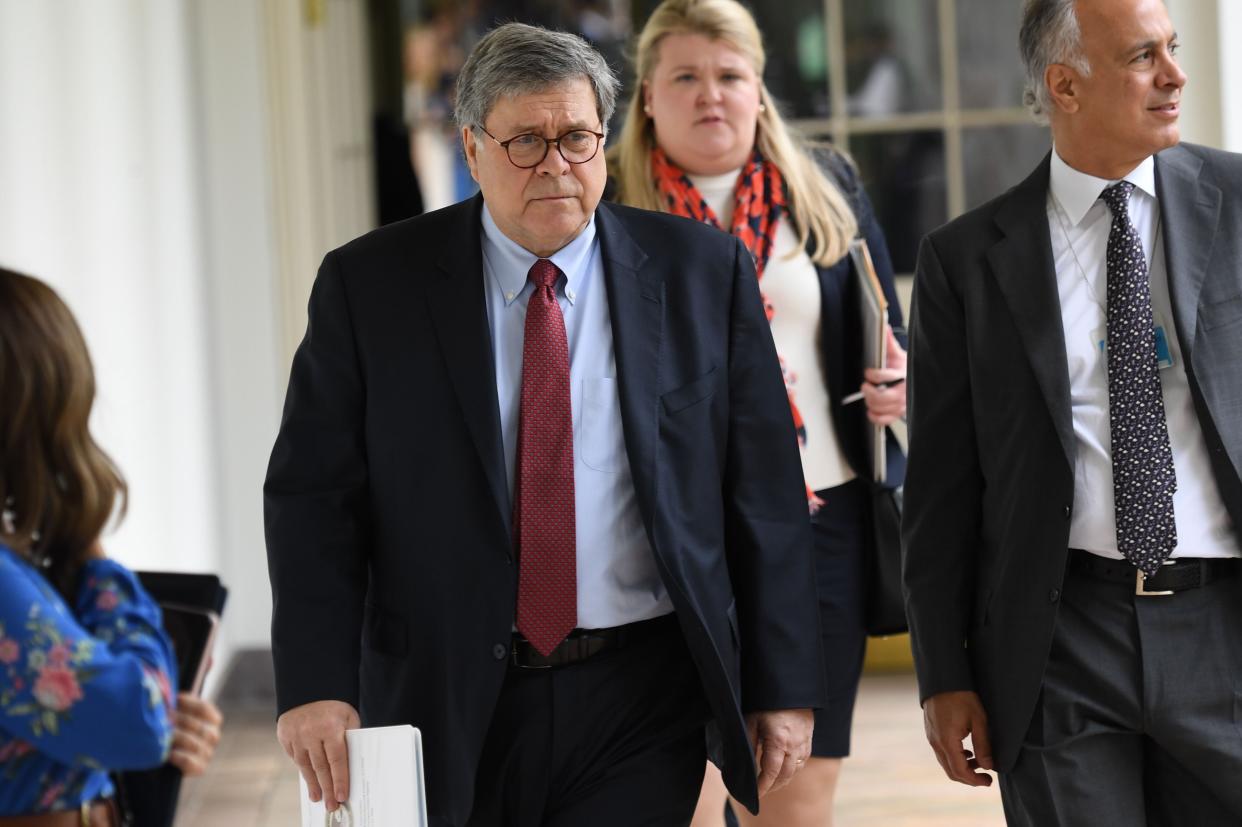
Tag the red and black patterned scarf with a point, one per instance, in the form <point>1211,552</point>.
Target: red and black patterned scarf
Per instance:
<point>759,201</point>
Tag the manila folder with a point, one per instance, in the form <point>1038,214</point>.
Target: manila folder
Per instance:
<point>873,307</point>
<point>386,785</point>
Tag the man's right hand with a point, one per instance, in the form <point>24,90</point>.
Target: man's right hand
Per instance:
<point>313,735</point>
<point>948,718</point>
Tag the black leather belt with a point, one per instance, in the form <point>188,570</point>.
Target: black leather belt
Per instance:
<point>1176,575</point>
<point>581,644</point>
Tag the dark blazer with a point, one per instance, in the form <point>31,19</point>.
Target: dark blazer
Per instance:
<point>990,485</point>
<point>841,334</point>
<point>387,507</point>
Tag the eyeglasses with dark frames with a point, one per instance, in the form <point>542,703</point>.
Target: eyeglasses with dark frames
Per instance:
<point>577,146</point>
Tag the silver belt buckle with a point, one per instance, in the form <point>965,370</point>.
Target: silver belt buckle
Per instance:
<point>1140,583</point>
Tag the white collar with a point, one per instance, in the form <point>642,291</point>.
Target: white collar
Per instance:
<point>513,261</point>
<point>1077,192</point>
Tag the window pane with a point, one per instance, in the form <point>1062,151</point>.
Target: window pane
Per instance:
<point>892,56</point>
<point>904,174</point>
<point>796,42</point>
<point>997,157</point>
<point>989,65</point>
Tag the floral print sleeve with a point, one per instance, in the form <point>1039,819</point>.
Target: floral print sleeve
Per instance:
<point>85,688</point>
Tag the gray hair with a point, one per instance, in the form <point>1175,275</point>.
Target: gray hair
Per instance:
<point>516,59</point>
<point>1050,34</point>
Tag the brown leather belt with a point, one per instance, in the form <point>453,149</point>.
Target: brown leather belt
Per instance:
<point>92,814</point>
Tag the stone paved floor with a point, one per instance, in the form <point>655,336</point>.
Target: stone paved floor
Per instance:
<point>891,781</point>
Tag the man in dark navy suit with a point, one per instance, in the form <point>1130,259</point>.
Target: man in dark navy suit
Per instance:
<point>537,492</point>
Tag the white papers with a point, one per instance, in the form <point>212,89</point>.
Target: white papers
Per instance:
<point>874,310</point>
<point>385,782</point>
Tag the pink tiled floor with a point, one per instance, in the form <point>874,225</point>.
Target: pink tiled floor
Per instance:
<point>892,780</point>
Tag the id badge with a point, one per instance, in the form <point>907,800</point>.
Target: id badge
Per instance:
<point>1164,353</point>
<point>1099,339</point>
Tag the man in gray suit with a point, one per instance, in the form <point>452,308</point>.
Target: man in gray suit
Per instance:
<point>1073,495</point>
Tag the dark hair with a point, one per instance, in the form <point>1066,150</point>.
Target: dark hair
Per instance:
<point>1049,34</point>
<point>58,488</point>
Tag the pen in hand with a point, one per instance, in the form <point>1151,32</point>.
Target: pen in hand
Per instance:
<point>854,397</point>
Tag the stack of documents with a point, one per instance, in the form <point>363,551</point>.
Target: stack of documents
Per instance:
<point>386,785</point>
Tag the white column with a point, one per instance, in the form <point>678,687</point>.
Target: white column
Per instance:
<point>1229,33</point>
<point>176,170</point>
<point>100,197</point>
<point>249,367</point>
<point>1197,22</point>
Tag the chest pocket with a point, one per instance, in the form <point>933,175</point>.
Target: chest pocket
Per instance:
<point>1221,313</point>
<point>602,444</point>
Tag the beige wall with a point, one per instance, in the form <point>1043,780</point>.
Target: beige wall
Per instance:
<point>1198,23</point>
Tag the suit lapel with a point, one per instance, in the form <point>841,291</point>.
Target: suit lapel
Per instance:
<point>1189,212</point>
<point>1022,265</point>
<point>459,315</point>
<point>636,310</point>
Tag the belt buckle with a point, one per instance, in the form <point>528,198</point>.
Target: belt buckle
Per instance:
<point>516,660</point>
<point>1140,584</point>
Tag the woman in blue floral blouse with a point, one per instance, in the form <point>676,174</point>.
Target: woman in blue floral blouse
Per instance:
<point>87,674</point>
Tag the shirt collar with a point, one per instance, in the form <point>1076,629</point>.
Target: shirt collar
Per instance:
<point>511,262</point>
<point>1077,192</point>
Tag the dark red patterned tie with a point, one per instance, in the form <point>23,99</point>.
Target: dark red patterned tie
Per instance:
<point>547,602</point>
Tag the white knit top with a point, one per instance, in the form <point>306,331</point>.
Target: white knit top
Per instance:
<point>791,284</point>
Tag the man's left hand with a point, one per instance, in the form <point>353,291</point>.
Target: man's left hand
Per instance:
<point>782,743</point>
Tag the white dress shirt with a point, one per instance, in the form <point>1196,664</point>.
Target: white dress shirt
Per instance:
<point>1079,224</point>
<point>618,582</point>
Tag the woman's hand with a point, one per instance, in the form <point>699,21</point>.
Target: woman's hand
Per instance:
<point>885,405</point>
<point>196,732</point>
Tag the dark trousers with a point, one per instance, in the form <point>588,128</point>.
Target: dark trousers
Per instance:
<point>617,739</point>
<point>1139,720</point>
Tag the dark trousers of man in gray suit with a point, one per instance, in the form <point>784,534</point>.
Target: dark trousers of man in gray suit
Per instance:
<point>1141,696</point>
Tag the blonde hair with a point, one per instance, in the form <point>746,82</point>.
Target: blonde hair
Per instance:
<point>819,210</point>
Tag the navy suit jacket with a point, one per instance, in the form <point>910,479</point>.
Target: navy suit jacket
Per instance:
<point>387,526</point>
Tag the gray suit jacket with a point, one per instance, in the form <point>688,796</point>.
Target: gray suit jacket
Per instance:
<point>990,482</point>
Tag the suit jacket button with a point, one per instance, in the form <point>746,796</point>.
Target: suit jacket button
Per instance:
<point>1067,512</point>
<point>500,651</point>
<point>1054,595</point>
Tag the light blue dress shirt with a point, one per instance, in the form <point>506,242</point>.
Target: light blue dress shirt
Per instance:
<point>618,581</point>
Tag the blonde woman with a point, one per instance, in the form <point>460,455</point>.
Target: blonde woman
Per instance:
<point>704,139</point>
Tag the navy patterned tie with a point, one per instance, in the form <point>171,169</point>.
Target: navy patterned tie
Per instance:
<point>1143,475</point>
